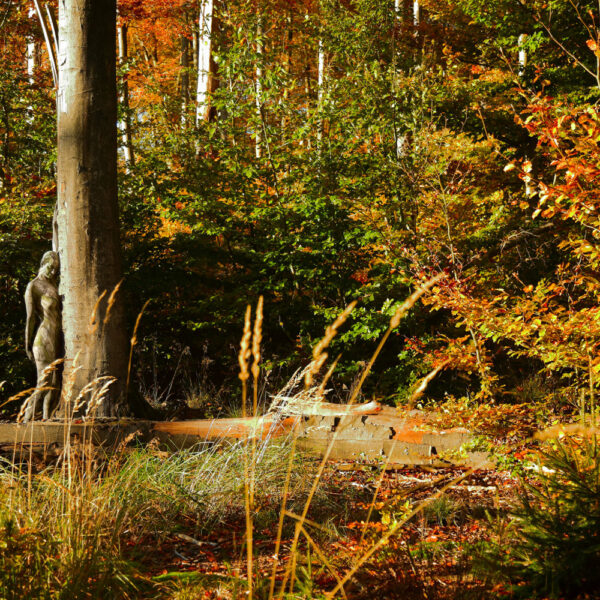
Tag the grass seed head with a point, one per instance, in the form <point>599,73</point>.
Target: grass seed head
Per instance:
<point>94,323</point>
<point>319,354</point>
<point>111,301</point>
<point>257,338</point>
<point>244,355</point>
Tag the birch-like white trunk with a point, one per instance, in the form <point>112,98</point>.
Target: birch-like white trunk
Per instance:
<point>204,61</point>
<point>31,50</point>
<point>258,84</point>
<point>320,90</point>
<point>125,124</point>
<point>522,54</point>
<point>52,50</point>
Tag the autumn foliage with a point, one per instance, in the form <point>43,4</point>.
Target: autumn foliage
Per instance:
<point>350,150</point>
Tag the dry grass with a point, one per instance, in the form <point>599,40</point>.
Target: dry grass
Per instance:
<point>79,511</point>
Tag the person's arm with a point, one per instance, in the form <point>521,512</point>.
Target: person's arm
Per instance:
<point>30,322</point>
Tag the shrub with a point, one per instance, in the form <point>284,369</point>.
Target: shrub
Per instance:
<point>551,546</point>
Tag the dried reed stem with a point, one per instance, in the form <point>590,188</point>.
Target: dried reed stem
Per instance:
<point>394,322</point>
<point>324,560</point>
<point>256,341</point>
<point>111,302</point>
<point>319,354</point>
<point>94,323</point>
<point>330,371</point>
<point>243,358</point>
<point>418,391</point>
<point>244,354</point>
<point>282,511</point>
<point>133,342</point>
<point>392,531</point>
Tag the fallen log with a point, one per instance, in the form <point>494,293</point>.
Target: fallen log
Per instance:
<point>367,432</point>
<point>264,427</point>
<point>391,436</point>
<point>327,409</point>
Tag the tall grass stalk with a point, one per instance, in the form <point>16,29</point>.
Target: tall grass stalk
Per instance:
<point>71,518</point>
<point>244,357</point>
<point>132,344</point>
<point>394,322</point>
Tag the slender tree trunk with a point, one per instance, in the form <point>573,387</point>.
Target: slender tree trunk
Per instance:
<point>32,51</point>
<point>206,64</point>
<point>184,81</point>
<point>125,126</point>
<point>195,50</point>
<point>258,82</point>
<point>307,91</point>
<point>522,54</point>
<point>51,49</point>
<point>88,222</point>
<point>288,40</point>
<point>320,92</point>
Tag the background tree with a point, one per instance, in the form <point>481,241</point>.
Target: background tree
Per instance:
<point>383,145</point>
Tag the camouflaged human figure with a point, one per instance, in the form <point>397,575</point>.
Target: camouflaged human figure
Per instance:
<point>43,332</point>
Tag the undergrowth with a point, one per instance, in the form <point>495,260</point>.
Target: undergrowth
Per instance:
<point>550,545</point>
<point>62,528</point>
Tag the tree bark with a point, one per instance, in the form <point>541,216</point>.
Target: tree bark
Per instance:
<point>88,223</point>
<point>127,138</point>
<point>258,82</point>
<point>522,54</point>
<point>32,50</point>
<point>184,80</point>
<point>320,93</point>
<point>207,80</point>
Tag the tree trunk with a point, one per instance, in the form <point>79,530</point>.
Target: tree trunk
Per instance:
<point>258,83</point>
<point>195,50</point>
<point>184,80</point>
<point>522,54</point>
<point>320,93</point>
<point>88,224</point>
<point>126,121</point>
<point>206,63</point>
<point>288,41</point>
<point>32,50</point>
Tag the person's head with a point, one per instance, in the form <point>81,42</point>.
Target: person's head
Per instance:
<point>50,265</point>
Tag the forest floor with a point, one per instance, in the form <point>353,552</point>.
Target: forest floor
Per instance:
<point>430,556</point>
<point>146,523</point>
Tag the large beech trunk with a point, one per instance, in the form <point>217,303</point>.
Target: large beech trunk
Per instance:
<point>87,216</point>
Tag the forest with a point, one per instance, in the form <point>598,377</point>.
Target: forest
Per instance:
<point>256,214</point>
